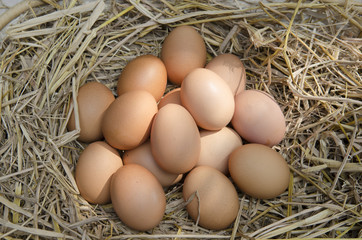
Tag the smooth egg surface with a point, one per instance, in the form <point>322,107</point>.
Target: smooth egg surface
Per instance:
<point>182,51</point>
<point>94,169</point>
<point>142,155</point>
<point>216,146</point>
<point>216,202</point>
<point>171,97</point>
<point>231,70</point>
<point>145,72</point>
<point>175,139</point>
<point>137,197</point>
<point>259,171</point>
<point>258,118</point>
<point>208,98</point>
<point>93,99</point>
<point>127,121</point>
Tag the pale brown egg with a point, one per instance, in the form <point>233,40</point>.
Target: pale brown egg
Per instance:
<point>216,203</point>
<point>216,146</point>
<point>208,98</point>
<point>146,72</point>
<point>171,97</point>
<point>142,155</point>
<point>175,139</point>
<point>182,51</point>
<point>127,121</point>
<point>259,171</point>
<point>94,169</point>
<point>258,118</point>
<point>137,197</point>
<point>231,70</point>
<point>93,99</point>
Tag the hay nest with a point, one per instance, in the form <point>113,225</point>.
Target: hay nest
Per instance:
<point>307,54</point>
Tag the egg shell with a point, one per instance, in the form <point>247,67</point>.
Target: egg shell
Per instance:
<point>259,171</point>
<point>216,146</point>
<point>170,97</point>
<point>137,197</point>
<point>217,200</point>
<point>127,121</point>
<point>182,51</point>
<point>94,169</point>
<point>142,155</point>
<point>93,99</point>
<point>258,118</point>
<point>231,70</point>
<point>175,139</point>
<point>145,72</point>
<point>208,98</point>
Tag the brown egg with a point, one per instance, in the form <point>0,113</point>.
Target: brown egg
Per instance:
<point>145,72</point>
<point>258,118</point>
<point>127,121</point>
<point>217,202</point>
<point>94,169</point>
<point>259,171</point>
<point>142,155</point>
<point>231,70</point>
<point>182,51</point>
<point>137,197</point>
<point>216,146</point>
<point>93,100</point>
<point>175,139</point>
<point>171,97</point>
<point>208,98</point>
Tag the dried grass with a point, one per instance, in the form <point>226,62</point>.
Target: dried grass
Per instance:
<point>306,54</point>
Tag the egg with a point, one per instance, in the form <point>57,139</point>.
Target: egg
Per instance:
<point>258,118</point>
<point>259,171</point>
<point>94,169</point>
<point>145,72</point>
<point>208,98</point>
<point>127,121</point>
<point>216,146</point>
<point>142,155</point>
<point>175,139</point>
<point>93,99</point>
<point>171,97</point>
<point>182,51</point>
<point>231,70</point>
<point>137,197</point>
<point>213,198</point>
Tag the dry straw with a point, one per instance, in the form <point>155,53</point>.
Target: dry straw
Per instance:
<point>307,54</point>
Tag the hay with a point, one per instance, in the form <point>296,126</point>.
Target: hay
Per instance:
<point>306,54</point>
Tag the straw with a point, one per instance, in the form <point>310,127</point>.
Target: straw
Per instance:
<point>306,54</point>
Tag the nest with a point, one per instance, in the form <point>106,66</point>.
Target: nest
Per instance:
<point>306,54</point>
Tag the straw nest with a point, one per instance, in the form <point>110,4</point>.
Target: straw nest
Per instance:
<point>306,54</point>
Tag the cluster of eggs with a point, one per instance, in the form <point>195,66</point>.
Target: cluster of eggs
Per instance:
<point>193,133</point>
